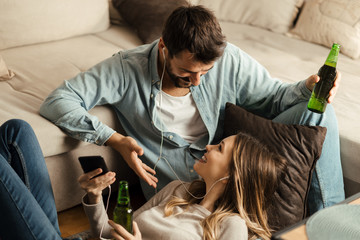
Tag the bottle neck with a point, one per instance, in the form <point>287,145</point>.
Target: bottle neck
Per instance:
<point>123,201</point>
<point>333,56</point>
<point>124,196</point>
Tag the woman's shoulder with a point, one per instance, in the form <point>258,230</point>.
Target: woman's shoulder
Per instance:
<point>234,220</point>
<point>233,226</point>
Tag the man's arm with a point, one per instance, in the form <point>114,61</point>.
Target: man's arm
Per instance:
<point>262,94</point>
<point>68,106</point>
<point>267,96</point>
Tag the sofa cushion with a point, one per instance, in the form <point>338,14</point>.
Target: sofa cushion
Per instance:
<point>275,15</point>
<point>300,145</point>
<point>29,22</point>
<point>327,22</point>
<point>5,73</point>
<point>40,68</point>
<point>147,17</point>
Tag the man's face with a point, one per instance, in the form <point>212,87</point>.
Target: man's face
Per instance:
<point>184,71</point>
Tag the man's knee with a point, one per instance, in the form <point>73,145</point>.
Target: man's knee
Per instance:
<point>299,114</point>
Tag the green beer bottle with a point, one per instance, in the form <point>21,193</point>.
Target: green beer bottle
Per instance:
<point>327,74</point>
<point>123,213</point>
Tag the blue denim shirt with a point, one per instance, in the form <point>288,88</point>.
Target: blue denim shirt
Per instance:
<point>129,82</point>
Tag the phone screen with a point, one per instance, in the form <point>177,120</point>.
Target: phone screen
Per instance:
<point>90,163</point>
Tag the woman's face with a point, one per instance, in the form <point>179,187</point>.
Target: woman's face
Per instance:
<point>215,162</point>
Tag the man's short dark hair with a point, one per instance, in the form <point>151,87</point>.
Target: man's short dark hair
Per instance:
<point>196,29</point>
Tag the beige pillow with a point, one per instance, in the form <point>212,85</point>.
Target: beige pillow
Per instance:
<point>274,15</point>
<point>29,22</point>
<point>5,73</point>
<point>328,21</point>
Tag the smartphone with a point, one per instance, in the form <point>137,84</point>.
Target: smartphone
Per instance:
<point>90,163</point>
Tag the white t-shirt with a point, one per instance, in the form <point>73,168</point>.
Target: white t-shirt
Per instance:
<point>181,116</point>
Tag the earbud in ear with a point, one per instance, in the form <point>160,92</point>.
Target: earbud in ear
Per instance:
<point>163,50</point>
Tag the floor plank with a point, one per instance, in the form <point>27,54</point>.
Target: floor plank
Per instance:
<point>72,221</point>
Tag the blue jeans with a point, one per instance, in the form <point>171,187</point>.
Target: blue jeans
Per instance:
<point>327,185</point>
<point>27,203</point>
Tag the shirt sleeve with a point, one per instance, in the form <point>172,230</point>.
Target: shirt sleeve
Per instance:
<point>233,227</point>
<point>68,105</point>
<point>262,94</point>
<point>98,218</point>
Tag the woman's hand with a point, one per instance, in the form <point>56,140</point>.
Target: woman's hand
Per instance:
<point>310,83</point>
<point>120,233</point>
<point>94,186</point>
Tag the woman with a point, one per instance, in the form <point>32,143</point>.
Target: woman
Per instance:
<point>239,177</point>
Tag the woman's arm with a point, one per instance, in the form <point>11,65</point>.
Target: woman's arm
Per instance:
<point>97,217</point>
<point>92,201</point>
<point>233,227</point>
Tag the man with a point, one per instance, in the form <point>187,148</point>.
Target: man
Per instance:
<point>170,97</point>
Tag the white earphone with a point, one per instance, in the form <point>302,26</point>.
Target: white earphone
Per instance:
<point>227,177</point>
<point>163,50</point>
<point>162,139</point>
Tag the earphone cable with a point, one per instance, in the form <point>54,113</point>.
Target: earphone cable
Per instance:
<point>106,209</point>
<point>182,183</point>
<point>160,104</point>
<point>162,142</point>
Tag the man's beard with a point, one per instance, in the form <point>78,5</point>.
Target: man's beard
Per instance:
<point>179,82</point>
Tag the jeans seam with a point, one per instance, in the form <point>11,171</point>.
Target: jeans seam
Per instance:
<point>321,187</point>
<point>23,165</point>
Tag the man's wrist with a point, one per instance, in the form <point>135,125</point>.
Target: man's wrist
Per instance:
<point>113,139</point>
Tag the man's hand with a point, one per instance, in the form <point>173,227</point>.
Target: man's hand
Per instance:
<point>310,83</point>
<point>130,150</point>
<point>94,186</point>
<point>120,233</point>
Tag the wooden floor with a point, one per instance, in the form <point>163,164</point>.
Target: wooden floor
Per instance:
<point>74,220</point>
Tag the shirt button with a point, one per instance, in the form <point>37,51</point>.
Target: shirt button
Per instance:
<point>151,95</point>
<point>171,137</point>
<point>191,170</point>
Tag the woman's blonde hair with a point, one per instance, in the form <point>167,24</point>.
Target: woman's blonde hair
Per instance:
<point>254,175</point>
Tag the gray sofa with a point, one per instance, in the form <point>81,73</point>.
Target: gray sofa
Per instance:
<point>42,48</point>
